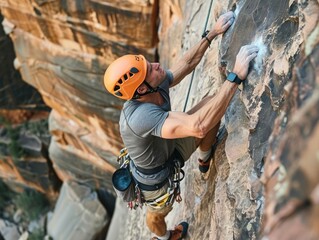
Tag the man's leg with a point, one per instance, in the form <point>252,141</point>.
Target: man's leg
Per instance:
<point>206,149</point>
<point>205,144</point>
<point>155,218</point>
<point>156,222</point>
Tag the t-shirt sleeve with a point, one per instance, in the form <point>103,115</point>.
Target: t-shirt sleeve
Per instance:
<point>148,119</point>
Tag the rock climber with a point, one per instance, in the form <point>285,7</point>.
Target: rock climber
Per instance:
<point>152,132</point>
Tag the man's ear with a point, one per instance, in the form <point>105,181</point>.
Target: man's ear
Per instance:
<point>141,89</point>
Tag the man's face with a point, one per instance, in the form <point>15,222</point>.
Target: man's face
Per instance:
<point>155,74</point>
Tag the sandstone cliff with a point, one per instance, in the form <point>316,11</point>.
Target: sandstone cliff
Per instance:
<point>62,50</point>
<point>264,177</point>
<point>262,183</point>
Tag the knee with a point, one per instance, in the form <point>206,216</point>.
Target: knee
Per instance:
<point>156,223</point>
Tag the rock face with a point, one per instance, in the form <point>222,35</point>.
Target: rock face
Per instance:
<point>63,49</point>
<point>291,179</point>
<point>78,214</point>
<point>260,176</point>
<point>21,103</point>
<point>8,230</point>
<point>15,93</point>
<point>264,179</point>
<point>24,160</point>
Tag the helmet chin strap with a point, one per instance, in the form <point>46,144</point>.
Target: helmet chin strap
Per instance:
<point>150,90</point>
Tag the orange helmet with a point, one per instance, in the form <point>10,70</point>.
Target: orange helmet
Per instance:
<point>125,75</point>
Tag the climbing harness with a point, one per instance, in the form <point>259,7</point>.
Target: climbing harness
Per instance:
<point>130,190</point>
<point>173,191</point>
<point>163,200</point>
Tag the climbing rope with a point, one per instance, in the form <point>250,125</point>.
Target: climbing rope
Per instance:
<point>193,73</point>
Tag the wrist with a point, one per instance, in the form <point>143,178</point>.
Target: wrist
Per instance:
<point>239,74</point>
<point>234,78</point>
<point>206,38</point>
<point>212,34</point>
<point>209,36</point>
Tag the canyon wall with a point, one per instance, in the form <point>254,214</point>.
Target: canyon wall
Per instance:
<point>263,180</point>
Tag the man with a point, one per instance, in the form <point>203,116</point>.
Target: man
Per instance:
<point>153,133</point>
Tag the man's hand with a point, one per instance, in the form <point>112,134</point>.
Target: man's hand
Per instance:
<point>243,58</point>
<point>224,22</point>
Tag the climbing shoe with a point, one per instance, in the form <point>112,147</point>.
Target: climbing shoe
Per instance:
<point>204,166</point>
<point>178,233</point>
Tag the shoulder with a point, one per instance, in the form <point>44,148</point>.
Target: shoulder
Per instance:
<point>140,111</point>
<point>169,76</point>
<point>168,80</point>
<point>146,119</point>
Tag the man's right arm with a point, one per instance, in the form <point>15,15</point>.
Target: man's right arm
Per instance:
<point>201,121</point>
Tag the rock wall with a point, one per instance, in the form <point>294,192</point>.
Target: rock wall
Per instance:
<point>262,184</point>
<point>78,214</point>
<point>63,49</point>
<point>290,178</point>
<point>264,177</point>
<point>15,93</point>
<point>24,161</point>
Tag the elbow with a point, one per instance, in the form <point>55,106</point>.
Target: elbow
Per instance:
<point>200,129</point>
<point>189,68</point>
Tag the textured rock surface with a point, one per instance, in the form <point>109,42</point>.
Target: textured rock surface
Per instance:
<point>24,160</point>
<point>229,202</point>
<point>15,93</point>
<point>63,49</point>
<point>8,230</point>
<point>264,178</point>
<point>21,103</point>
<point>78,214</point>
<point>291,179</point>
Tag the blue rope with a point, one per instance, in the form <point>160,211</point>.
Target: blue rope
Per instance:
<point>193,73</point>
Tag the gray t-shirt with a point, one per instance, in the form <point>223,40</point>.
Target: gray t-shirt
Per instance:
<point>141,125</point>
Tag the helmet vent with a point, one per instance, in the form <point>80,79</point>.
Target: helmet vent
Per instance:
<point>118,94</point>
<point>134,70</point>
<point>116,87</point>
<point>125,77</point>
<point>120,81</point>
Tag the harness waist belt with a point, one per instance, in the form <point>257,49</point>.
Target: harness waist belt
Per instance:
<point>152,170</point>
<point>151,187</point>
<point>175,155</point>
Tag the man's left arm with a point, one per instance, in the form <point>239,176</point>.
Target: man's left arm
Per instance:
<point>193,56</point>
